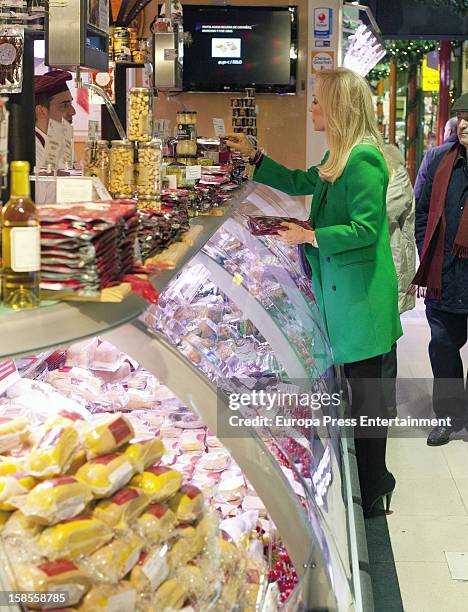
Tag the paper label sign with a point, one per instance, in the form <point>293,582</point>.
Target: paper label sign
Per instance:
<point>54,143</point>
<point>219,128</point>
<point>323,22</point>
<point>322,60</point>
<point>67,153</point>
<point>74,189</point>
<point>93,128</point>
<point>193,173</point>
<point>8,374</point>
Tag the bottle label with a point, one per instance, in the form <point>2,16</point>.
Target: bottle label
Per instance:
<point>25,249</point>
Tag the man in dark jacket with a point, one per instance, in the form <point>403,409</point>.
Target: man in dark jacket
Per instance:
<point>442,240</point>
<point>450,138</point>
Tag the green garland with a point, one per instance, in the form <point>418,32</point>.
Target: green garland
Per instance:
<point>455,6</point>
<point>407,52</point>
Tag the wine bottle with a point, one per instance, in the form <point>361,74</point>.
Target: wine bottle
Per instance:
<point>21,243</point>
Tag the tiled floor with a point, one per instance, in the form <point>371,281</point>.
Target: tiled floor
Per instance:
<point>430,505</point>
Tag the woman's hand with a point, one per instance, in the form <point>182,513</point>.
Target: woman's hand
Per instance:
<point>241,143</point>
<point>295,234</point>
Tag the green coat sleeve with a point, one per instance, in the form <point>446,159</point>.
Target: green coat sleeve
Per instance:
<point>366,183</point>
<point>292,182</point>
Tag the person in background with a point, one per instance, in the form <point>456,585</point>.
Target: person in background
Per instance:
<point>450,137</point>
<point>442,241</point>
<point>53,100</point>
<point>401,218</point>
<point>348,249</point>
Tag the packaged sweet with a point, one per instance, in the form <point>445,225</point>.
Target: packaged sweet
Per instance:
<point>81,354</point>
<point>170,596</point>
<point>106,357</point>
<point>106,434</point>
<point>122,508</point>
<point>144,452</point>
<point>187,504</point>
<point>160,482</point>
<point>66,418</point>
<point>79,459</point>
<point>106,475</point>
<point>10,465</point>
<point>21,526</point>
<point>192,441</point>
<point>215,461</point>
<point>193,579</point>
<point>53,453</point>
<point>151,570</point>
<point>189,545</point>
<point>55,500</point>
<point>13,432</point>
<point>110,598</point>
<point>81,535</point>
<point>115,560</point>
<point>60,575</point>
<point>13,485</point>
<point>230,555</point>
<point>157,523</point>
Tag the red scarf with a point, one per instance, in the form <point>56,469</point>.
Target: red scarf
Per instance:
<point>428,279</point>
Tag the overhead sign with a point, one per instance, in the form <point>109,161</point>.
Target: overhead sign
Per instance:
<point>323,22</point>
<point>430,77</point>
<point>322,60</point>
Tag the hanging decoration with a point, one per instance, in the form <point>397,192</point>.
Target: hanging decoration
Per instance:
<point>379,73</point>
<point>407,52</point>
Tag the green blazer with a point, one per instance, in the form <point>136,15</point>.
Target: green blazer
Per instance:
<point>353,273</point>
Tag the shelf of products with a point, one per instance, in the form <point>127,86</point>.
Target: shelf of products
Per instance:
<point>262,520</point>
<point>25,333</point>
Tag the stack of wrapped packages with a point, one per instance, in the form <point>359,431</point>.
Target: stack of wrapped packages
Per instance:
<point>86,247</point>
<point>157,229</point>
<point>138,511</point>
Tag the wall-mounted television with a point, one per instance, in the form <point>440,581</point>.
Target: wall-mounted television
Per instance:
<point>234,47</point>
<point>410,19</point>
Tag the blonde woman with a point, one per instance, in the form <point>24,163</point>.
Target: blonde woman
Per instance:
<point>349,252</point>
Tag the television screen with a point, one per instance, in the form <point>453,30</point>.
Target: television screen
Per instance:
<point>234,47</point>
<point>411,19</point>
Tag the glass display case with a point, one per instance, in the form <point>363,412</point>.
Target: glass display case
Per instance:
<point>236,318</point>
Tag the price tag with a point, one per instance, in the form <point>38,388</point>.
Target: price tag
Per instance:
<point>8,374</point>
<point>193,173</point>
<point>101,191</point>
<point>93,128</point>
<point>67,153</point>
<point>74,189</point>
<point>219,127</point>
<point>54,143</point>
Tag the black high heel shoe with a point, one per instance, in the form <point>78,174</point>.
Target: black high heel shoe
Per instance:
<point>383,489</point>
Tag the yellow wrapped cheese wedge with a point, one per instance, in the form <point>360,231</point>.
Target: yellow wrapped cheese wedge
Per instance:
<point>170,596</point>
<point>193,579</point>
<point>151,570</point>
<point>53,453</point>
<point>187,504</point>
<point>53,576</point>
<point>189,544</point>
<point>79,459</point>
<point>110,598</point>
<point>66,418</point>
<point>81,535</point>
<point>10,465</point>
<point>230,555</point>
<point>106,434</point>
<point>122,508</point>
<point>157,523</point>
<point>4,516</point>
<point>55,500</point>
<point>13,432</point>
<point>21,526</point>
<point>114,561</point>
<point>145,452</point>
<point>13,485</point>
<point>106,475</point>
<point>159,481</point>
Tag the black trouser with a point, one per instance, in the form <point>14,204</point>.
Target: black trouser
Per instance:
<point>367,399</point>
<point>389,376</point>
<point>448,335</point>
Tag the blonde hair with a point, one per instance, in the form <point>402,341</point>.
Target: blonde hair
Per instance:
<point>346,101</point>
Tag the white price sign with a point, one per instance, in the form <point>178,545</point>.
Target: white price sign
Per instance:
<point>8,374</point>
<point>219,127</point>
<point>193,173</point>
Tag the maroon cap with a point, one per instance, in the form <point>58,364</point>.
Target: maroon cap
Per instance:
<point>51,83</point>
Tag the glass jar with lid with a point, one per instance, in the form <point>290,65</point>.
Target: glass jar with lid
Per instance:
<point>149,168</point>
<point>186,148</point>
<point>96,162</point>
<point>122,178</point>
<point>140,115</point>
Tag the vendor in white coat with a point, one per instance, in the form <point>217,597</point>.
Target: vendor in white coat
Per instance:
<point>53,100</point>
